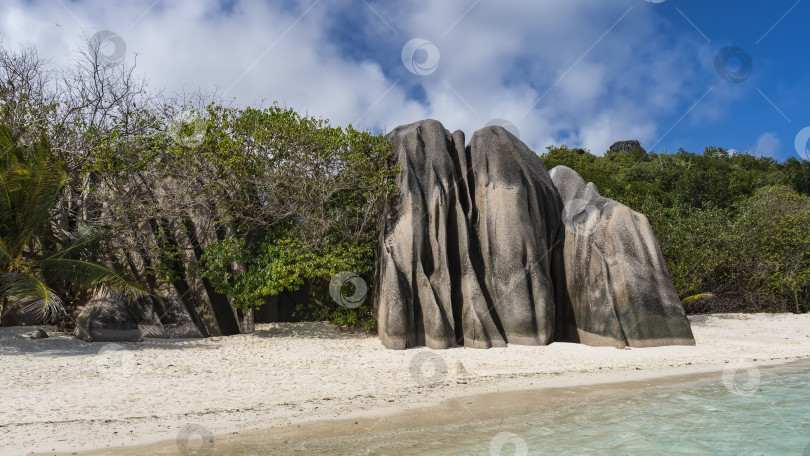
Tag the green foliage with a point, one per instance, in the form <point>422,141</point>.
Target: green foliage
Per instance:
<point>694,245</point>
<point>303,199</point>
<point>732,225</point>
<point>279,265</point>
<point>772,245</point>
<point>34,258</point>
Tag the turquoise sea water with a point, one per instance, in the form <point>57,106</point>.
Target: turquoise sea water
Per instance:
<point>741,416</point>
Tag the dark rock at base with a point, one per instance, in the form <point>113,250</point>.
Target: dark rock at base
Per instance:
<point>469,242</point>
<point>21,315</point>
<point>153,331</point>
<point>38,333</point>
<point>109,316</point>
<point>113,316</point>
<point>619,290</point>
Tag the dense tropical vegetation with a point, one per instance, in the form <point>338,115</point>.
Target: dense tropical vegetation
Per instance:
<point>190,196</point>
<point>35,257</point>
<point>215,206</point>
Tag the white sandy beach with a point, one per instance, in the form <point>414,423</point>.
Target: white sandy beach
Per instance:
<point>64,395</point>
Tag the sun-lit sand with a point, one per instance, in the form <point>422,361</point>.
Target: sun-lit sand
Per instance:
<point>61,394</point>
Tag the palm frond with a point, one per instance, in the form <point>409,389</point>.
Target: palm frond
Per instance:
<point>30,183</point>
<point>5,256</point>
<point>39,196</point>
<point>6,140</point>
<point>87,274</point>
<point>6,191</point>
<point>76,243</point>
<point>27,291</point>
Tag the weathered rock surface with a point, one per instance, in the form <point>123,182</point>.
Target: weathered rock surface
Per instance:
<point>112,316</point>
<point>481,247</point>
<point>626,146</point>
<point>21,315</point>
<point>469,244</point>
<point>619,290</point>
<point>38,333</point>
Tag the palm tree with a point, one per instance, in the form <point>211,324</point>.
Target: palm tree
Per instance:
<point>32,256</point>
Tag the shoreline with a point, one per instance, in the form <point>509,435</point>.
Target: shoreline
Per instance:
<point>66,396</point>
<point>462,411</point>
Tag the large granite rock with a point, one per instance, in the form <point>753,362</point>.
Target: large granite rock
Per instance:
<point>469,243</point>
<point>478,247</point>
<point>619,291</point>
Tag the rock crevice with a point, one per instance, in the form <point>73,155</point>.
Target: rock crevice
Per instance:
<point>467,243</point>
<point>480,247</point>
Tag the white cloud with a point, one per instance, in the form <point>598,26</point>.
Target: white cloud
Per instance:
<point>768,145</point>
<point>601,79</point>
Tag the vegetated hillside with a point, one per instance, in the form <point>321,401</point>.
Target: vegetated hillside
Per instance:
<point>733,225</point>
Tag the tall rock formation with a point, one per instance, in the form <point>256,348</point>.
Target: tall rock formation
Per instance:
<point>469,243</point>
<point>477,247</point>
<point>618,287</point>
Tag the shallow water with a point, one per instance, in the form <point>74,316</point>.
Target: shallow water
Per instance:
<point>742,415</point>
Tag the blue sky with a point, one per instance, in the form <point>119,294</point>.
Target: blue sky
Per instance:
<point>580,72</point>
<point>773,101</point>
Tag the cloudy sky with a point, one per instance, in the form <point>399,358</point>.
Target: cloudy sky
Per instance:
<point>671,73</point>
